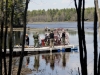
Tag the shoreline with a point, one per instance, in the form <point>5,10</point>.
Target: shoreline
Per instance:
<point>43,29</point>
<point>38,29</point>
<point>53,22</point>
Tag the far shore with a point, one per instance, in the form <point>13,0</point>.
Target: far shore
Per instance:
<point>52,22</point>
<point>37,29</point>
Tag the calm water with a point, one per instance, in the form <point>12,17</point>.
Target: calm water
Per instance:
<point>60,63</point>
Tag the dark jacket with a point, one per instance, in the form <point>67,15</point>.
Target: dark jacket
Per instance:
<point>27,40</point>
<point>51,35</point>
<point>63,35</point>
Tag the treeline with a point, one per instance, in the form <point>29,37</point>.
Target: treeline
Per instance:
<point>55,15</point>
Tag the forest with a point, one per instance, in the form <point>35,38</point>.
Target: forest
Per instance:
<point>58,15</point>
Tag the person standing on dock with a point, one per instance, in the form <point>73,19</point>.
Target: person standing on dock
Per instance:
<point>51,39</point>
<point>27,40</point>
<point>36,39</point>
<point>67,37</point>
<point>63,38</point>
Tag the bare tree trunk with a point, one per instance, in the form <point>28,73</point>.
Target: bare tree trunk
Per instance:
<point>78,9</point>
<point>97,10</point>
<point>99,65</point>
<point>1,36</point>
<point>83,42</point>
<point>10,40</point>
<point>95,40</point>
<point>5,67</point>
<point>81,34</point>
<point>22,52</point>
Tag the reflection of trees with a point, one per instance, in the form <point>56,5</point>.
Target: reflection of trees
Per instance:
<point>72,32</point>
<point>89,33</point>
<point>36,62</point>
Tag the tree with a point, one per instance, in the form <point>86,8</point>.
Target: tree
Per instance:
<point>81,35</point>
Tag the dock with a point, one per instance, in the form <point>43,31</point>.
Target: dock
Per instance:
<point>30,49</point>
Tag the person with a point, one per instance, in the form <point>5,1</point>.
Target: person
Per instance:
<point>59,38</point>
<point>63,38</point>
<point>47,39</point>
<point>36,39</point>
<point>27,39</point>
<point>51,39</point>
<point>67,37</point>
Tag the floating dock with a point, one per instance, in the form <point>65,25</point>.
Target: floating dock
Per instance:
<point>30,49</point>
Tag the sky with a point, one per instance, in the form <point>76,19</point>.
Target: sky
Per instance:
<point>56,4</point>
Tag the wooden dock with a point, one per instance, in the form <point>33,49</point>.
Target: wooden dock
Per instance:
<point>18,49</point>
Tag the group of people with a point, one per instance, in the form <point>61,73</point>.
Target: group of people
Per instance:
<point>58,39</point>
<point>49,40</point>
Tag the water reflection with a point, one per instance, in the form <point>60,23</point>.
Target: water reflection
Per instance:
<point>47,62</point>
<point>52,60</point>
<point>27,60</point>
<point>36,62</point>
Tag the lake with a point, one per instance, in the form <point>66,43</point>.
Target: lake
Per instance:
<point>59,63</point>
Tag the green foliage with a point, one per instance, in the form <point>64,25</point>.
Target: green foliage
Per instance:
<point>19,7</point>
<point>50,15</point>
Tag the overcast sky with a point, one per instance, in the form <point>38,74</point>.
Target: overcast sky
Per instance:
<point>53,4</point>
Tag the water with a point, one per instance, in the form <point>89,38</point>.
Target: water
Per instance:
<point>60,63</point>
<point>60,25</point>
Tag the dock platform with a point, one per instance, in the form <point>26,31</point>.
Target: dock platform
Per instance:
<point>30,49</point>
<point>18,48</point>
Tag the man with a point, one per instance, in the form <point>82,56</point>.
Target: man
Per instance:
<point>36,39</point>
<point>51,39</point>
<point>27,39</point>
<point>46,40</point>
<point>67,37</point>
<point>63,38</point>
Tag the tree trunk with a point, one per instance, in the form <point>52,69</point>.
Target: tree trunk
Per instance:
<point>10,40</point>
<point>95,40</point>
<point>1,36</point>
<point>83,42</point>
<point>22,52</point>
<point>81,36</point>
<point>5,37</point>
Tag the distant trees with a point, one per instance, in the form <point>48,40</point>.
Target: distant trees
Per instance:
<point>55,15</point>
